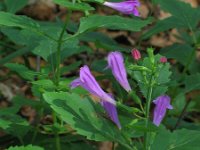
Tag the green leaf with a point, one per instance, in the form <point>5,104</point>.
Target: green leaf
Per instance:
<point>28,147</point>
<point>97,1</point>
<point>14,5</point>
<point>183,16</point>
<point>9,57</point>
<point>192,82</point>
<point>163,25</point>
<point>162,77</point>
<point>178,140</point>
<point>22,70</point>
<point>180,52</point>
<point>84,116</point>
<point>68,68</point>
<point>112,22</point>
<point>183,12</point>
<point>101,41</point>
<point>44,84</point>
<point>178,104</point>
<point>74,6</point>
<point>14,124</point>
<point>11,20</point>
<point>45,48</point>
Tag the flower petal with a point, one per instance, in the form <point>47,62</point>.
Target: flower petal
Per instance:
<point>126,7</point>
<point>162,104</point>
<point>88,82</point>
<point>112,112</point>
<point>116,64</point>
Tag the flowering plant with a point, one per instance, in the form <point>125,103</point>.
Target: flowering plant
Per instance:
<point>79,85</point>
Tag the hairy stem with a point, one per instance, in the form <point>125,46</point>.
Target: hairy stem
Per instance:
<point>59,47</point>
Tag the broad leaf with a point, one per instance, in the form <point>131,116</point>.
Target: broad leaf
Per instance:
<point>180,52</point>
<point>22,70</point>
<point>183,16</point>
<point>11,20</point>
<point>112,22</point>
<point>84,116</point>
<point>74,6</point>
<point>183,12</point>
<point>163,25</point>
<point>178,140</point>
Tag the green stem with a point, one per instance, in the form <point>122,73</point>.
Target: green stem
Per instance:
<point>58,146</point>
<point>37,126</point>
<point>57,138</point>
<point>59,47</point>
<point>149,96</point>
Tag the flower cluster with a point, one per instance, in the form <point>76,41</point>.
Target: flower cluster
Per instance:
<point>88,82</point>
<point>116,64</point>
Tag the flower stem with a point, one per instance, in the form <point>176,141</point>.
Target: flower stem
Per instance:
<point>59,47</point>
<point>149,97</point>
<point>57,73</point>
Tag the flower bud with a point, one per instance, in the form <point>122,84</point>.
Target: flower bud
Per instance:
<point>163,59</point>
<point>136,54</point>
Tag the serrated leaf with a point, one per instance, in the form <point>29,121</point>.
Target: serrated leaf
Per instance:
<point>84,116</point>
<point>15,125</point>
<point>183,16</point>
<point>11,20</point>
<point>74,6</point>
<point>178,140</point>
<point>112,22</point>
<point>183,11</point>
<point>28,147</point>
<point>162,77</point>
<point>22,70</point>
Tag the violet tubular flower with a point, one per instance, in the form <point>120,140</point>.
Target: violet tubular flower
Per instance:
<point>111,110</point>
<point>116,64</point>
<point>162,104</point>
<point>126,7</point>
<point>88,82</point>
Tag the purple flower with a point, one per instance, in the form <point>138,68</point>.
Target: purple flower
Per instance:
<point>162,104</point>
<point>116,63</point>
<point>88,82</point>
<point>126,7</point>
<point>111,111</point>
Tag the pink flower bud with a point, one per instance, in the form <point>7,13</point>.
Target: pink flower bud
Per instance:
<point>136,54</point>
<point>163,59</point>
